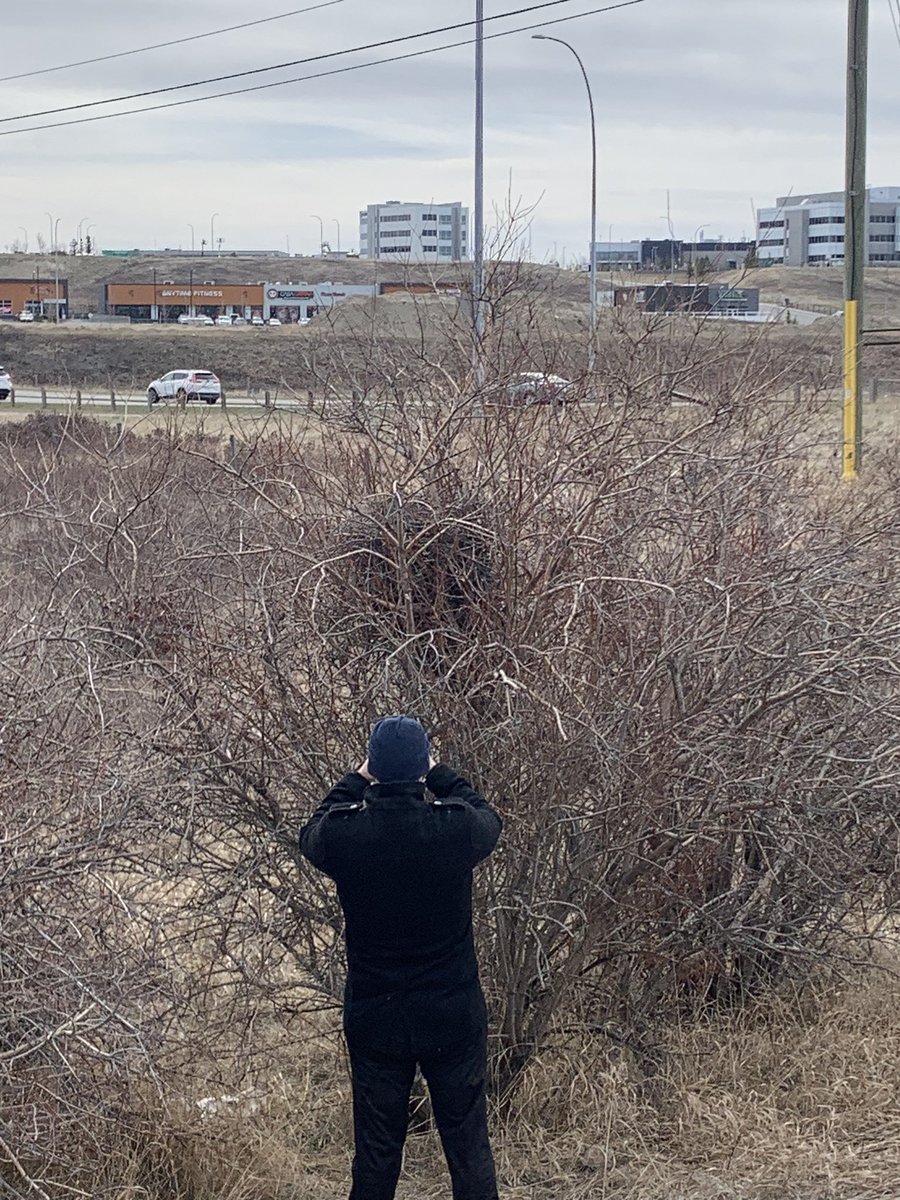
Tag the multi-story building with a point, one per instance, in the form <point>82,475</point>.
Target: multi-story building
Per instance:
<point>809,230</point>
<point>437,233</point>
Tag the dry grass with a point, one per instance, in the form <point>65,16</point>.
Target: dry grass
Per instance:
<point>792,1099</point>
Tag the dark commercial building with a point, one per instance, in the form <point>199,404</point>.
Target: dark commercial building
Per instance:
<point>716,298</point>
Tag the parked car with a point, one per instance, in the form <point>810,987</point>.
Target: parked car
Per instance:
<point>536,387</point>
<point>199,319</point>
<point>186,385</point>
<point>274,321</point>
<point>5,384</point>
<point>224,319</point>
<point>257,321</point>
<point>26,315</point>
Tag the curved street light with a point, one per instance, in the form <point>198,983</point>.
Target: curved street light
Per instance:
<point>25,231</point>
<point>592,347</point>
<point>191,228</point>
<point>212,231</point>
<point>321,231</point>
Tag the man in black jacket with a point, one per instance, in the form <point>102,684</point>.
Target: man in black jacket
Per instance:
<point>403,868</point>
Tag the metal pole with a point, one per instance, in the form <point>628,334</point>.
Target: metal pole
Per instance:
<point>212,232</point>
<point>25,231</point>
<point>592,343</point>
<point>856,240</point>
<point>337,222</point>
<point>478,246</point>
<point>321,232</point>
<point>191,228</point>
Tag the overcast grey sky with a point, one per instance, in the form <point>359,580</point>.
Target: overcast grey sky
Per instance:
<point>723,102</point>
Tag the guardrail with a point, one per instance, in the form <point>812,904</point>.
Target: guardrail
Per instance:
<point>43,396</point>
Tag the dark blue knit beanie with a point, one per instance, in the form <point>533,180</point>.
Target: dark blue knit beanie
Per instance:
<point>398,750</point>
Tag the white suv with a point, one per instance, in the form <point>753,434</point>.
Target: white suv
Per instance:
<point>5,383</point>
<point>186,385</point>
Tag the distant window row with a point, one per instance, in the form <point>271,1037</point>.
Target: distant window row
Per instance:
<point>771,224</point>
<point>826,221</point>
<point>837,238</point>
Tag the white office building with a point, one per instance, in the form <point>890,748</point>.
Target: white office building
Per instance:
<point>431,233</point>
<point>809,230</point>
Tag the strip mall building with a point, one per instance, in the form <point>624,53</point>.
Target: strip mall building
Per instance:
<point>39,296</point>
<point>168,300</point>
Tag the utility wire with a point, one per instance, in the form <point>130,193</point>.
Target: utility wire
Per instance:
<point>297,62</point>
<point>261,87</point>
<point>894,6</point>
<point>196,37</point>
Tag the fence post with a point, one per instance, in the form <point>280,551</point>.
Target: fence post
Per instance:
<point>112,399</point>
<point>78,397</point>
<point>12,397</point>
<point>224,401</point>
<point>873,391</point>
<point>798,392</point>
<point>232,449</point>
<point>268,398</point>
<point>43,397</point>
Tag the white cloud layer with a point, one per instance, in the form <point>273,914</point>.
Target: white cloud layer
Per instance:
<point>720,102</point>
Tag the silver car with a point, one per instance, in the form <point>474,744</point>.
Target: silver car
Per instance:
<point>5,384</point>
<point>186,385</point>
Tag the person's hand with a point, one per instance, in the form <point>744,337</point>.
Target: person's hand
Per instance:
<point>363,770</point>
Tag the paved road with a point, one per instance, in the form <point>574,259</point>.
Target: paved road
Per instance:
<point>93,398</point>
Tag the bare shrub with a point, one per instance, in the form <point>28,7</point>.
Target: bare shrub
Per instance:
<point>659,637</point>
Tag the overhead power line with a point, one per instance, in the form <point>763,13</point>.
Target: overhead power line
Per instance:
<point>297,62</point>
<point>195,37</point>
<point>894,6</point>
<point>377,62</point>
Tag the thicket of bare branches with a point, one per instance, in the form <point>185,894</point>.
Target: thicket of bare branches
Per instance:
<point>663,639</point>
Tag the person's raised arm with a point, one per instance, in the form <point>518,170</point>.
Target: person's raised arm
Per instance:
<point>485,823</point>
<point>349,790</point>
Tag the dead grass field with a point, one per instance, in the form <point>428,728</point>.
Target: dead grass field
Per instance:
<point>792,1099</point>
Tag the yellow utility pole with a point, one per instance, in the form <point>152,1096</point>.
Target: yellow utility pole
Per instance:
<point>856,233</point>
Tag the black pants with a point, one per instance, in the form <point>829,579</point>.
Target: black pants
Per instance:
<point>446,1035</point>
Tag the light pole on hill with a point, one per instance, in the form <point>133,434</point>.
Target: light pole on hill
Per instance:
<point>321,233</point>
<point>54,236</point>
<point>592,345</point>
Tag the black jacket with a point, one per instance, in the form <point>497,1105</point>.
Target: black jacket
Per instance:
<point>403,868</point>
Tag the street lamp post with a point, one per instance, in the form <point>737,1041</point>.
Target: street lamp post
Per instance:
<point>191,228</point>
<point>54,235</point>
<point>212,231</point>
<point>337,222</point>
<point>592,347</point>
<point>321,232</point>
<point>80,242</point>
<point>25,231</point>
<point>697,232</point>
